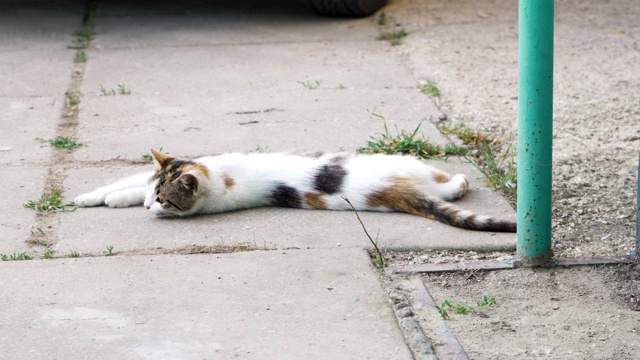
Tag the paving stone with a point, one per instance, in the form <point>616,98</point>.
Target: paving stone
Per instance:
<point>251,305</point>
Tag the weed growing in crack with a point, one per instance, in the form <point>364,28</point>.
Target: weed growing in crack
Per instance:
<point>109,251</point>
<point>430,89</point>
<point>74,254</point>
<point>500,169</point>
<point>311,85</point>
<point>469,136</point>
<point>40,231</point>
<point>409,143</point>
<point>393,37</point>
<point>73,100</point>
<point>81,57</point>
<point>148,156</point>
<point>122,90</point>
<point>105,92</point>
<point>63,142</point>
<point>463,309</point>
<point>48,254</point>
<point>84,35</point>
<point>497,165</point>
<point>15,257</point>
<point>50,201</point>
<point>382,19</point>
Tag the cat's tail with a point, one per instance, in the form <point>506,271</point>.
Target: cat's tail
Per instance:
<point>453,215</point>
<point>437,209</point>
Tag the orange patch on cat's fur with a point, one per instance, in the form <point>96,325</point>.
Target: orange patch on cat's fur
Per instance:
<point>228,181</point>
<point>315,201</point>
<point>401,196</point>
<point>441,177</point>
<point>183,168</point>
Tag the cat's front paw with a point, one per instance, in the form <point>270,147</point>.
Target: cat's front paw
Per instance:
<point>118,199</point>
<point>89,199</point>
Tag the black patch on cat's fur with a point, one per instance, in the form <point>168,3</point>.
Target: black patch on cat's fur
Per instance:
<point>330,177</point>
<point>285,196</point>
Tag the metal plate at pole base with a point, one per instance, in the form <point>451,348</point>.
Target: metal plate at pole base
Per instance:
<point>503,265</point>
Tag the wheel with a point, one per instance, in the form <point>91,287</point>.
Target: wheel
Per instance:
<point>347,8</point>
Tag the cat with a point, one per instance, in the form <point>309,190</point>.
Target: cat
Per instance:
<point>214,184</point>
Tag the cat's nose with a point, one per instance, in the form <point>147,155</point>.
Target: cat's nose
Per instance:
<point>147,207</point>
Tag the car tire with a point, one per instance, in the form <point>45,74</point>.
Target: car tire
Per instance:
<point>347,8</point>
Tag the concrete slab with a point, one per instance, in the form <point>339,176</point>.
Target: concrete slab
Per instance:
<point>38,25</point>
<point>255,305</point>
<point>91,230</point>
<point>35,73</point>
<point>24,119</point>
<point>297,120</point>
<point>20,184</point>
<point>207,72</point>
<point>34,58</point>
<point>196,23</point>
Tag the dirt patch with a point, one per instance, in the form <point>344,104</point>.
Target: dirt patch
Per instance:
<point>577,313</point>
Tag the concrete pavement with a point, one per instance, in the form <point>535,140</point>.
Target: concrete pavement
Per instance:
<point>205,78</point>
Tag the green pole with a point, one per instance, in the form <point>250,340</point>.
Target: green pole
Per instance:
<point>535,131</point>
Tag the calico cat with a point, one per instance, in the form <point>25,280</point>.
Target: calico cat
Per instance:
<point>180,187</point>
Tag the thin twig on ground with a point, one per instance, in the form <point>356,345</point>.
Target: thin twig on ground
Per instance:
<point>375,243</point>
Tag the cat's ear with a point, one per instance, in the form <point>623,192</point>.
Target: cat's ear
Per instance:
<point>189,182</point>
<point>160,159</point>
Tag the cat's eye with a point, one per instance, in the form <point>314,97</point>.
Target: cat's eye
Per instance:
<point>159,200</point>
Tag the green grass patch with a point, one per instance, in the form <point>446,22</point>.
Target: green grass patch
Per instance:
<point>15,257</point>
<point>393,37</point>
<point>106,92</point>
<point>122,90</point>
<point>81,57</point>
<point>149,157</point>
<point>409,143</point>
<point>463,309</point>
<point>468,136</point>
<point>430,89</point>
<point>109,251</point>
<point>495,162</point>
<point>63,142</point>
<point>73,100</point>
<point>310,84</point>
<point>50,201</point>
<point>500,169</point>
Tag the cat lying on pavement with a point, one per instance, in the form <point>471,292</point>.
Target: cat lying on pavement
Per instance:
<point>214,184</point>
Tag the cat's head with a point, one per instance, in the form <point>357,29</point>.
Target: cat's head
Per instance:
<point>174,188</point>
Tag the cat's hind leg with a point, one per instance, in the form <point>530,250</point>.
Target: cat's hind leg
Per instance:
<point>453,188</point>
<point>126,191</point>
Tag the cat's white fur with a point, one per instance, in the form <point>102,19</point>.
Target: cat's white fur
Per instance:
<point>254,175</point>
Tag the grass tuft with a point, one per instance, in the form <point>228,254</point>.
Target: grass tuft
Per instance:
<point>496,164</point>
<point>405,143</point>
<point>81,57</point>
<point>15,257</point>
<point>50,201</point>
<point>430,89</point>
<point>468,136</point>
<point>311,85</point>
<point>393,37</point>
<point>63,142</point>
